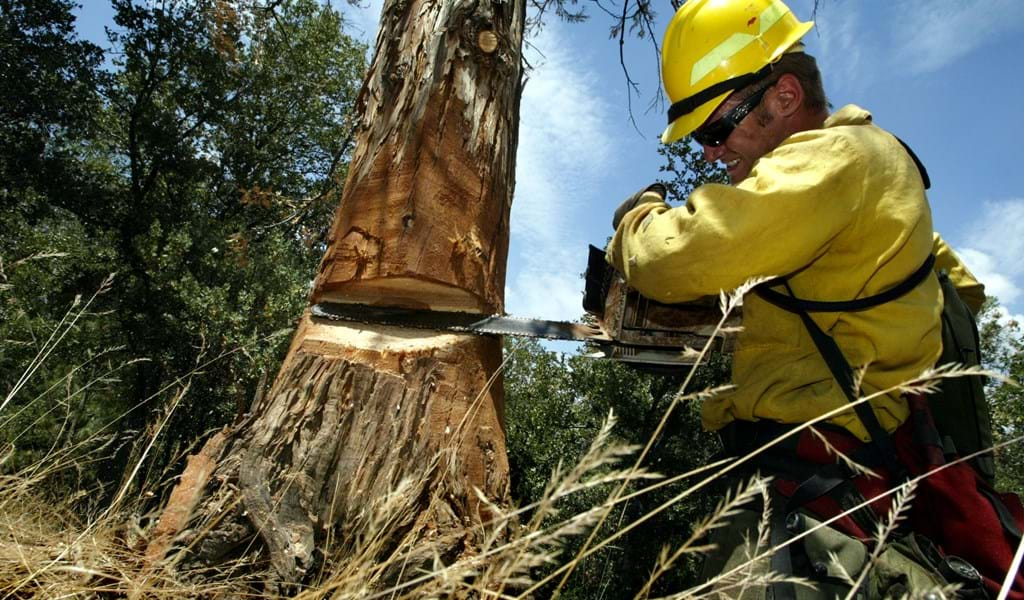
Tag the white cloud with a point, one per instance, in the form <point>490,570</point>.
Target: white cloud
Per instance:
<point>994,248</point>
<point>998,231</point>
<point>564,148</point>
<point>856,43</point>
<point>985,268</point>
<point>549,295</point>
<point>929,34</point>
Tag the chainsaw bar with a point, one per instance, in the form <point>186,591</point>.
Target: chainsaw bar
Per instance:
<point>460,322</point>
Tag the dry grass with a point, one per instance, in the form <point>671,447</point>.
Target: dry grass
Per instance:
<point>48,550</point>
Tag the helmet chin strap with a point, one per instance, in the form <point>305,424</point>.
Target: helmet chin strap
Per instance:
<point>688,105</point>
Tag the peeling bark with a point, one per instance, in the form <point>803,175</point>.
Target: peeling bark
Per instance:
<point>357,411</point>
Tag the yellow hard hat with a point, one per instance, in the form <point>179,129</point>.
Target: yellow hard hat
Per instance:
<point>713,47</point>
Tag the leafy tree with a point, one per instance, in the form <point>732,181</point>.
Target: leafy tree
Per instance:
<point>1002,351</point>
<point>687,169</point>
<point>202,170</point>
<point>556,404</point>
<point>48,82</point>
<point>234,127</point>
<point>49,106</point>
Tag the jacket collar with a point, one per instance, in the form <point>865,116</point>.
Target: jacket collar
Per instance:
<point>851,114</point>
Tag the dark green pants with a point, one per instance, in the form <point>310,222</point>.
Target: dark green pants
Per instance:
<point>822,564</point>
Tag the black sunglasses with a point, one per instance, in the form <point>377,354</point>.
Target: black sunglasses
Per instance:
<point>715,134</point>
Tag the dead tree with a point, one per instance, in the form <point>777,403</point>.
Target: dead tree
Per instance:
<point>423,222</point>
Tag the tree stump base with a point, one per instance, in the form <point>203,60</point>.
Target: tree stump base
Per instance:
<point>357,416</point>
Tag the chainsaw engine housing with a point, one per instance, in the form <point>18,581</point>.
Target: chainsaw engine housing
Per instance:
<point>651,333</point>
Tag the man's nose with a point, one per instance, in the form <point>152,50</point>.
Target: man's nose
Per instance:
<point>713,153</point>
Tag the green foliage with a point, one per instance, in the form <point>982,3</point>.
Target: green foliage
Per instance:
<point>1002,351</point>
<point>48,87</point>
<point>555,405</point>
<point>687,169</point>
<point>203,169</point>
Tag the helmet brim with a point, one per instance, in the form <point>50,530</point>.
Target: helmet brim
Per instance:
<point>688,123</point>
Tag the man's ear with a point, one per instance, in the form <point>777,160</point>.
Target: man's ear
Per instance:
<point>788,96</point>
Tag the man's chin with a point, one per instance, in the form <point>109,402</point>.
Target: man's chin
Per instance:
<point>737,176</point>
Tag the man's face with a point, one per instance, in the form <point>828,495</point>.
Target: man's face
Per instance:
<point>748,142</point>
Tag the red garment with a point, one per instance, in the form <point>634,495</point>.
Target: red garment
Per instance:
<point>952,507</point>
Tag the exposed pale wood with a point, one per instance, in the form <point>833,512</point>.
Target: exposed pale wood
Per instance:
<point>487,40</point>
<point>185,497</point>
<point>405,291</point>
<point>335,339</point>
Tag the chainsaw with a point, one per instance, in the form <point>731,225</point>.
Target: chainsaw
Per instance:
<point>620,324</point>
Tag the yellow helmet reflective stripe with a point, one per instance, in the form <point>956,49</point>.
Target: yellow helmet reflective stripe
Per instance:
<point>713,47</point>
<point>736,42</point>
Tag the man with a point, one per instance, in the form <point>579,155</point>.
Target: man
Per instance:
<point>832,203</point>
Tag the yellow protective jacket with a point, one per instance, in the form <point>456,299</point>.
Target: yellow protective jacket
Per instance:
<point>841,211</point>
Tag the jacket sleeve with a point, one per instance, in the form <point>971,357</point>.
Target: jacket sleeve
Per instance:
<point>778,220</point>
<point>971,291</point>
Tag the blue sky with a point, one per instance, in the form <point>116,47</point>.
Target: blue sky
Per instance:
<point>944,75</point>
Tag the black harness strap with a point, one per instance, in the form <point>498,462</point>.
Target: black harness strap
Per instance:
<point>1005,517</point>
<point>796,305</point>
<point>833,356</point>
<point>917,162</point>
<point>781,560</point>
<point>843,374</point>
<point>884,449</point>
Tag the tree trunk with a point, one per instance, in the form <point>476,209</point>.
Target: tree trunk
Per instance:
<point>358,411</point>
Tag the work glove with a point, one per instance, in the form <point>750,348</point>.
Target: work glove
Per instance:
<point>655,192</point>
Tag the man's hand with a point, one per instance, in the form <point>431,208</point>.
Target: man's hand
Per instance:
<point>655,192</point>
